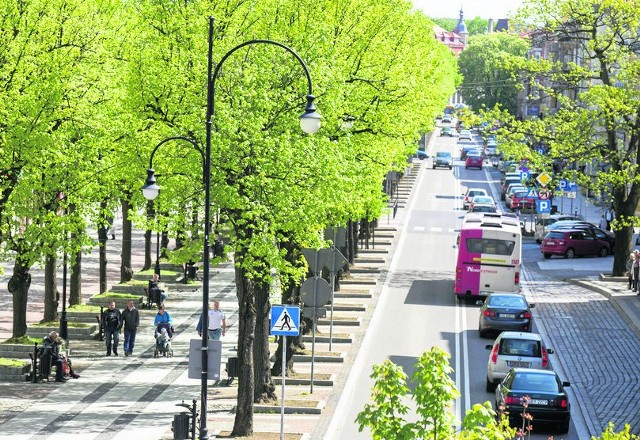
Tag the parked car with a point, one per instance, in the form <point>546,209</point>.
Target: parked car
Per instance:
<point>470,194</point>
<point>504,165</point>
<point>515,350</point>
<point>607,236</point>
<point>505,311</point>
<point>544,225</point>
<point>447,131</point>
<point>422,154</point>
<point>572,242</point>
<point>509,181</point>
<point>541,391</point>
<point>447,119</point>
<point>443,159</point>
<point>473,160</point>
<point>520,200</point>
<point>512,189</point>
<point>465,134</point>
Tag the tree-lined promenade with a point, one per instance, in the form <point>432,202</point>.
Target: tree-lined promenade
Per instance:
<point>89,88</point>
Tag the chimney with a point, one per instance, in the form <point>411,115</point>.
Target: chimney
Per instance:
<point>490,26</point>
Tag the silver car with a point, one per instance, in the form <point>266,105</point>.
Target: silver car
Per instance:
<point>515,350</point>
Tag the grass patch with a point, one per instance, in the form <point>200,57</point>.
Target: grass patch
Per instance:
<point>8,362</point>
<point>84,308</point>
<point>26,340</point>
<point>163,273</point>
<point>117,295</point>
<point>134,282</point>
<point>56,324</point>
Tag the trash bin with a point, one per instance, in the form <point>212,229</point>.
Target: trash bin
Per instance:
<point>232,367</point>
<point>181,426</point>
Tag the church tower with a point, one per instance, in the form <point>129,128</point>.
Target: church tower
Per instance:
<point>461,28</point>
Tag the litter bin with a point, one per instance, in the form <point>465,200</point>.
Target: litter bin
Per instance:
<point>181,426</point>
<point>232,367</point>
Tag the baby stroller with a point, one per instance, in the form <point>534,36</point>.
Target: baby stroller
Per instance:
<point>163,334</point>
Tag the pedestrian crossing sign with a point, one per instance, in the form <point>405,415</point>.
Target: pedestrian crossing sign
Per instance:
<point>285,320</point>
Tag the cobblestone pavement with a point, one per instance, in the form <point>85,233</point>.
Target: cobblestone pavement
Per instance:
<point>597,349</point>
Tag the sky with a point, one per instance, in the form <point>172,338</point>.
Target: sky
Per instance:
<point>472,8</point>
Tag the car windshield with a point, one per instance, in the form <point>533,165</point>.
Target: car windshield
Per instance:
<point>555,235</point>
<point>520,194</point>
<point>476,192</point>
<point>535,381</point>
<point>483,199</point>
<point>507,301</point>
<point>483,208</point>
<point>474,154</point>
<point>519,347</point>
<point>443,155</point>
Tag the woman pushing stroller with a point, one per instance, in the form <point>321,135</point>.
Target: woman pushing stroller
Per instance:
<point>163,332</point>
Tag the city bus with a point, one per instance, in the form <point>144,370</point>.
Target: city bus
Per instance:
<point>489,255</point>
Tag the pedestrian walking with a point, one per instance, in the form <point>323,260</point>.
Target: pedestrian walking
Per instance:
<point>217,322</point>
<point>609,216</point>
<point>636,269</point>
<point>112,324</point>
<point>604,224</point>
<point>630,261</point>
<point>162,316</point>
<point>131,320</point>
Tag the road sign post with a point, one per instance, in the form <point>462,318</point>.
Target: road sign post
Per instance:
<point>281,316</point>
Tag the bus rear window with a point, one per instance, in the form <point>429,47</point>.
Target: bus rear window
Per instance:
<point>490,246</point>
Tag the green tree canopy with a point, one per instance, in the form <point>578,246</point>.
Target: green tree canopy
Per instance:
<point>487,80</point>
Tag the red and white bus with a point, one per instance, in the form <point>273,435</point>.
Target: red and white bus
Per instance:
<point>489,255</point>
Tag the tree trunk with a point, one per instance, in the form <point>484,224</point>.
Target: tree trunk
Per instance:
<point>19,284</point>
<point>624,207</point>
<point>265,390</point>
<point>164,244</point>
<point>75,280</point>
<point>243,423</point>
<point>126,271</point>
<point>51,294</point>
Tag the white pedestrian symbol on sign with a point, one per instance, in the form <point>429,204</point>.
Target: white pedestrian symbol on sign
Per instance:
<point>285,321</point>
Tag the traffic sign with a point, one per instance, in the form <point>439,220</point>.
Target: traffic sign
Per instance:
<point>543,206</point>
<point>285,320</point>
<point>315,291</point>
<point>524,175</point>
<point>544,179</point>
<point>571,194</point>
<point>544,194</point>
<point>532,194</point>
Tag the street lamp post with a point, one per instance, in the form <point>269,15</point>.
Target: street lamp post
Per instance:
<point>309,122</point>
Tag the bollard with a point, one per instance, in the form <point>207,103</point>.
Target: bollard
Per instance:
<point>34,364</point>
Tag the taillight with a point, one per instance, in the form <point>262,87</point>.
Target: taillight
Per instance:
<point>494,353</point>
<point>562,402</point>
<point>525,315</point>
<point>561,242</point>
<point>517,278</point>
<point>489,312</point>
<point>458,273</point>
<point>545,358</point>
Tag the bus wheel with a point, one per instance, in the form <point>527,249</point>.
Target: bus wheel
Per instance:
<point>547,255</point>
<point>570,253</point>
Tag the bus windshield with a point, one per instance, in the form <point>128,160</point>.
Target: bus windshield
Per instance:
<point>490,246</point>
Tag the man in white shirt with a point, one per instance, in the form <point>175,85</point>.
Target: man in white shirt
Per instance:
<point>217,323</point>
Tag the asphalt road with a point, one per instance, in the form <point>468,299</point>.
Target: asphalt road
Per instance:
<point>417,308</point>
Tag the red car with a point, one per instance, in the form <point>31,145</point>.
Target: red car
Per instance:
<point>519,200</point>
<point>572,242</point>
<point>473,160</point>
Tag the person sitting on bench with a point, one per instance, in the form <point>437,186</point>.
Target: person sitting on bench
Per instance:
<point>52,347</point>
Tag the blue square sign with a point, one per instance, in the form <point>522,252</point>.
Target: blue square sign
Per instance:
<point>543,206</point>
<point>285,320</point>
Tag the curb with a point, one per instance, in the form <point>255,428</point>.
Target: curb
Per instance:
<point>607,293</point>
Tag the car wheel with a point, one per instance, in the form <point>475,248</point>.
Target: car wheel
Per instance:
<point>490,386</point>
<point>546,255</point>
<point>538,241</point>
<point>570,253</point>
<point>434,167</point>
<point>604,252</point>
<point>450,167</point>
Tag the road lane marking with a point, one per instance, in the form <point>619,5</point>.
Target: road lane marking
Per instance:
<point>436,229</point>
<point>418,228</point>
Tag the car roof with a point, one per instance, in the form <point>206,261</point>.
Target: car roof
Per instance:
<point>505,294</point>
<point>534,371</point>
<point>476,189</point>
<point>520,335</point>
